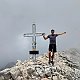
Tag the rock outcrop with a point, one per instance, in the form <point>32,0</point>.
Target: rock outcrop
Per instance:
<point>66,67</point>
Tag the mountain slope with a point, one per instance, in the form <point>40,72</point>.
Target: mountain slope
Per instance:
<point>66,67</point>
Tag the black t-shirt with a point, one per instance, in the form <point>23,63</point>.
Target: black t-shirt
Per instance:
<point>52,38</point>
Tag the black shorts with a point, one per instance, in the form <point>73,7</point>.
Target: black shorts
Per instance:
<point>52,46</point>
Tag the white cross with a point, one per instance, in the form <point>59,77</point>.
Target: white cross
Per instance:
<point>33,35</point>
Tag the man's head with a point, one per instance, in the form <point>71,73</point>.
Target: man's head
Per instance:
<point>52,31</point>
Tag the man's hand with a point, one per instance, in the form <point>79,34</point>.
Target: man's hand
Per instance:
<point>45,37</point>
<point>64,32</point>
<point>43,34</point>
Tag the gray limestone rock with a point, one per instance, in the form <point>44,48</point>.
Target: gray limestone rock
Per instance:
<point>66,67</point>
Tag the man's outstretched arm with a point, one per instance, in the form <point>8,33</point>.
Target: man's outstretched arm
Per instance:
<point>45,37</point>
<point>61,33</point>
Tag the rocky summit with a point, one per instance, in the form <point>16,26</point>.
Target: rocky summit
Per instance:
<point>66,67</point>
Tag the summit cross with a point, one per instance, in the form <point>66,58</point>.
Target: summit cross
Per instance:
<point>33,35</point>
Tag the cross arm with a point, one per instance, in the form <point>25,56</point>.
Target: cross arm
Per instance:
<point>39,34</point>
<point>28,35</point>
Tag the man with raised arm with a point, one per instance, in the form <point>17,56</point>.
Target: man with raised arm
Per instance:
<point>52,44</point>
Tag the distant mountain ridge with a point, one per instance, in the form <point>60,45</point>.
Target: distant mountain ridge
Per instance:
<point>9,65</point>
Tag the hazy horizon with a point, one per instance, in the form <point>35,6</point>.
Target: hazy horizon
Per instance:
<point>17,17</point>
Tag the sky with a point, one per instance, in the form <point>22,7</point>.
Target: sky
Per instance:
<point>17,17</point>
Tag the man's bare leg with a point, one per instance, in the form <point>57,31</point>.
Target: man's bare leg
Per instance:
<point>49,57</point>
<point>52,56</point>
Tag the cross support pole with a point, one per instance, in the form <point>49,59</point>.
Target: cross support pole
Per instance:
<point>33,35</point>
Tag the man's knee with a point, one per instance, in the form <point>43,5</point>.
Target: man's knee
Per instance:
<point>49,51</point>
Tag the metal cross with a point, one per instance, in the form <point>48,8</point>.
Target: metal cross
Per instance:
<point>33,35</point>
